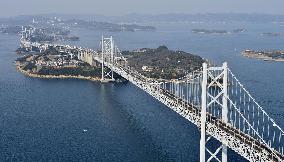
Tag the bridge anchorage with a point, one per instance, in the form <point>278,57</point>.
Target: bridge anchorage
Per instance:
<point>212,98</point>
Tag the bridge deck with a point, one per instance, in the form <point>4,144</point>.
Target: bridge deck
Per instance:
<point>247,146</point>
<point>261,151</point>
<point>245,138</point>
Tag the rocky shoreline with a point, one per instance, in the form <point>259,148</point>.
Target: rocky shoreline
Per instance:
<point>266,56</point>
<point>164,64</point>
<point>27,73</point>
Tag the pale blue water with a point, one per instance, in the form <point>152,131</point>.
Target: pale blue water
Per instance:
<point>44,120</point>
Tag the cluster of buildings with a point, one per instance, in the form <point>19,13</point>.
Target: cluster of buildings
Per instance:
<point>147,68</point>
<point>56,61</point>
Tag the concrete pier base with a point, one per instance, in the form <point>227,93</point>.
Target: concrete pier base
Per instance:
<point>107,80</point>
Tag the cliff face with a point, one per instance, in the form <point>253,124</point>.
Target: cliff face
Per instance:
<point>163,63</point>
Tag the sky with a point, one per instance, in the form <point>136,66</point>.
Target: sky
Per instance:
<point>121,7</point>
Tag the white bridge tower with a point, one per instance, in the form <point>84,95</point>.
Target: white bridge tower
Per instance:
<point>107,57</point>
<point>214,96</point>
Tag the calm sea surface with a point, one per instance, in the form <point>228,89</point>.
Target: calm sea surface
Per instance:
<point>44,120</point>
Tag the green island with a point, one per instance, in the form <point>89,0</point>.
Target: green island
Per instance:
<point>274,55</point>
<point>160,63</point>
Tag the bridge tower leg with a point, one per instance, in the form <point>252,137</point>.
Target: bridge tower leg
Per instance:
<point>107,57</point>
<point>103,75</point>
<point>225,108</point>
<point>216,78</point>
<point>203,114</point>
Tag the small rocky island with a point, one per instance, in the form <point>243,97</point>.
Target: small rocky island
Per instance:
<point>217,31</point>
<point>271,34</point>
<point>275,55</point>
<point>160,63</point>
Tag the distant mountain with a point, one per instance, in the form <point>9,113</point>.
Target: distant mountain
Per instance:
<point>199,17</point>
<point>106,26</point>
<point>172,17</point>
<point>63,21</point>
<point>141,19</point>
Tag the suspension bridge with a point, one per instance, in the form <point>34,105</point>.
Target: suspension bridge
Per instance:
<point>212,98</point>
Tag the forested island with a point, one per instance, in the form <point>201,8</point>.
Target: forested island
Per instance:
<point>275,55</point>
<point>160,63</point>
<point>107,26</point>
<point>217,31</point>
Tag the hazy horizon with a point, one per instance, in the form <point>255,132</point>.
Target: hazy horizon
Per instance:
<point>139,14</point>
<point>123,7</point>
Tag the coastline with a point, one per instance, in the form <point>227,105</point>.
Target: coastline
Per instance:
<point>55,76</point>
<point>261,57</point>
